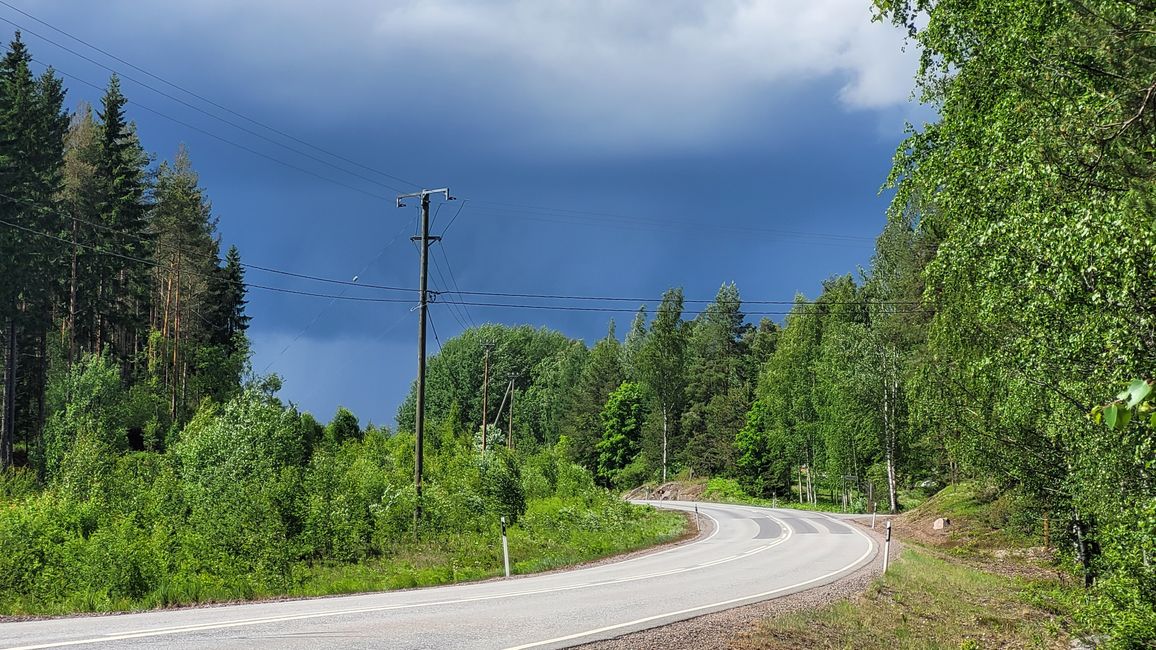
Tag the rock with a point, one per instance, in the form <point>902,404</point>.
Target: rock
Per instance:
<point>940,524</point>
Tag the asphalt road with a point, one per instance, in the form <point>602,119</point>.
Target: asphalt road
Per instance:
<point>752,555</point>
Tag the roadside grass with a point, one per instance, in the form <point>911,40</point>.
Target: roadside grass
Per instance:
<point>538,543</point>
<point>926,602</point>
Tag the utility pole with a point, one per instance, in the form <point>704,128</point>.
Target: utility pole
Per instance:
<point>510,435</point>
<point>423,307</point>
<point>485,393</point>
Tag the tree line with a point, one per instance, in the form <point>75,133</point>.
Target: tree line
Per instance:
<point>103,253</point>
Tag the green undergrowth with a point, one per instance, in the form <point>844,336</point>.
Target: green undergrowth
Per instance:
<point>926,602</point>
<point>252,500</point>
<point>552,534</point>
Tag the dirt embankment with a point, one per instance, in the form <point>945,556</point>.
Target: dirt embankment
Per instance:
<point>669,491</point>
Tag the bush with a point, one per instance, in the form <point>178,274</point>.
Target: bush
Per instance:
<point>87,399</point>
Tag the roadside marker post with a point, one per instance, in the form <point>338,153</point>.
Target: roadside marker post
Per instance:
<point>887,547</point>
<point>505,548</point>
<point>697,521</point>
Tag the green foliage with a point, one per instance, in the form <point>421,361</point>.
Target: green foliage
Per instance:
<point>88,406</point>
<point>501,484</point>
<point>342,427</point>
<point>622,419</point>
<point>248,438</point>
<point>1036,185</point>
<point>764,464</point>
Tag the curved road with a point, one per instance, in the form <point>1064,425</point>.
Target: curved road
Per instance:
<point>752,555</point>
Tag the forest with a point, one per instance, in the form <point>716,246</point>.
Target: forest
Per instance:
<point>1004,332</point>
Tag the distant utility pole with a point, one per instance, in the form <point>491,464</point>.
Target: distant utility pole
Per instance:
<point>485,392</point>
<point>510,435</point>
<point>423,307</point>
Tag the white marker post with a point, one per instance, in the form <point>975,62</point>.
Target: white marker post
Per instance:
<point>697,521</point>
<point>887,547</point>
<point>506,548</point>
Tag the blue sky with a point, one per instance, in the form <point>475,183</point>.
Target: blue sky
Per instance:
<point>598,148</point>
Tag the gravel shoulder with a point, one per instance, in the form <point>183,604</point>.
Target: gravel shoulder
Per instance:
<point>727,629</point>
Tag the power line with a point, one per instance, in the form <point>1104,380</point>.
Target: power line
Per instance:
<point>467,293</point>
<point>203,99</point>
<point>453,309</point>
<point>461,206</point>
<point>450,271</point>
<point>321,312</point>
<point>218,137</point>
<point>176,248</point>
<point>545,213</point>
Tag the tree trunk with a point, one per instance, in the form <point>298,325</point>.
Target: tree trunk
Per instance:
<point>664,419</point>
<point>176,340</point>
<point>41,392</point>
<point>800,483</point>
<point>889,434</point>
<point>8,430</point>
<point>72,280</point>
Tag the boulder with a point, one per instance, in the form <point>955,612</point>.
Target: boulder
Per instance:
<point>940,524</point>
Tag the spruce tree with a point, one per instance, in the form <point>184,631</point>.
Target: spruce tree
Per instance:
<point>122,180</point>
<point>32,124</point>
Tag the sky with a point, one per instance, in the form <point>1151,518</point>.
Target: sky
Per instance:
<point>595,148</point>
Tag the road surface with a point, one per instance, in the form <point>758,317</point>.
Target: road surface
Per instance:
<point>753,554</point>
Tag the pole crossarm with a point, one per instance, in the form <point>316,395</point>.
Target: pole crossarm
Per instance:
<point>444,191</point>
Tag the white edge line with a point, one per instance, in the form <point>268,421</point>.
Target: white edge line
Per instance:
<point>721,604</point>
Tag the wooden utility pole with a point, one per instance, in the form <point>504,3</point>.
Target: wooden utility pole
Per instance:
<point>423,307</point>
<point>485,393</point>
<point>510,435</point>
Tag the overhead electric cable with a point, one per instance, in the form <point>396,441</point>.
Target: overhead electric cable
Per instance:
<point>454,281</point>
<point>449,302</point>
<point>231,123</point>
<point>461,205</point>
<point>222,138</point>
<point>495,294</point>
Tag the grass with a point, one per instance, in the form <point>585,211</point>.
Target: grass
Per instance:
<point>927,602</point>
<point>461,558</point>
<point>983,520</point>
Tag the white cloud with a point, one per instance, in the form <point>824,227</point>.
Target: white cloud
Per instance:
<point>573,71</point>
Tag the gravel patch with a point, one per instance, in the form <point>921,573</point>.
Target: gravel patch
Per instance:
<point>729,628</point>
